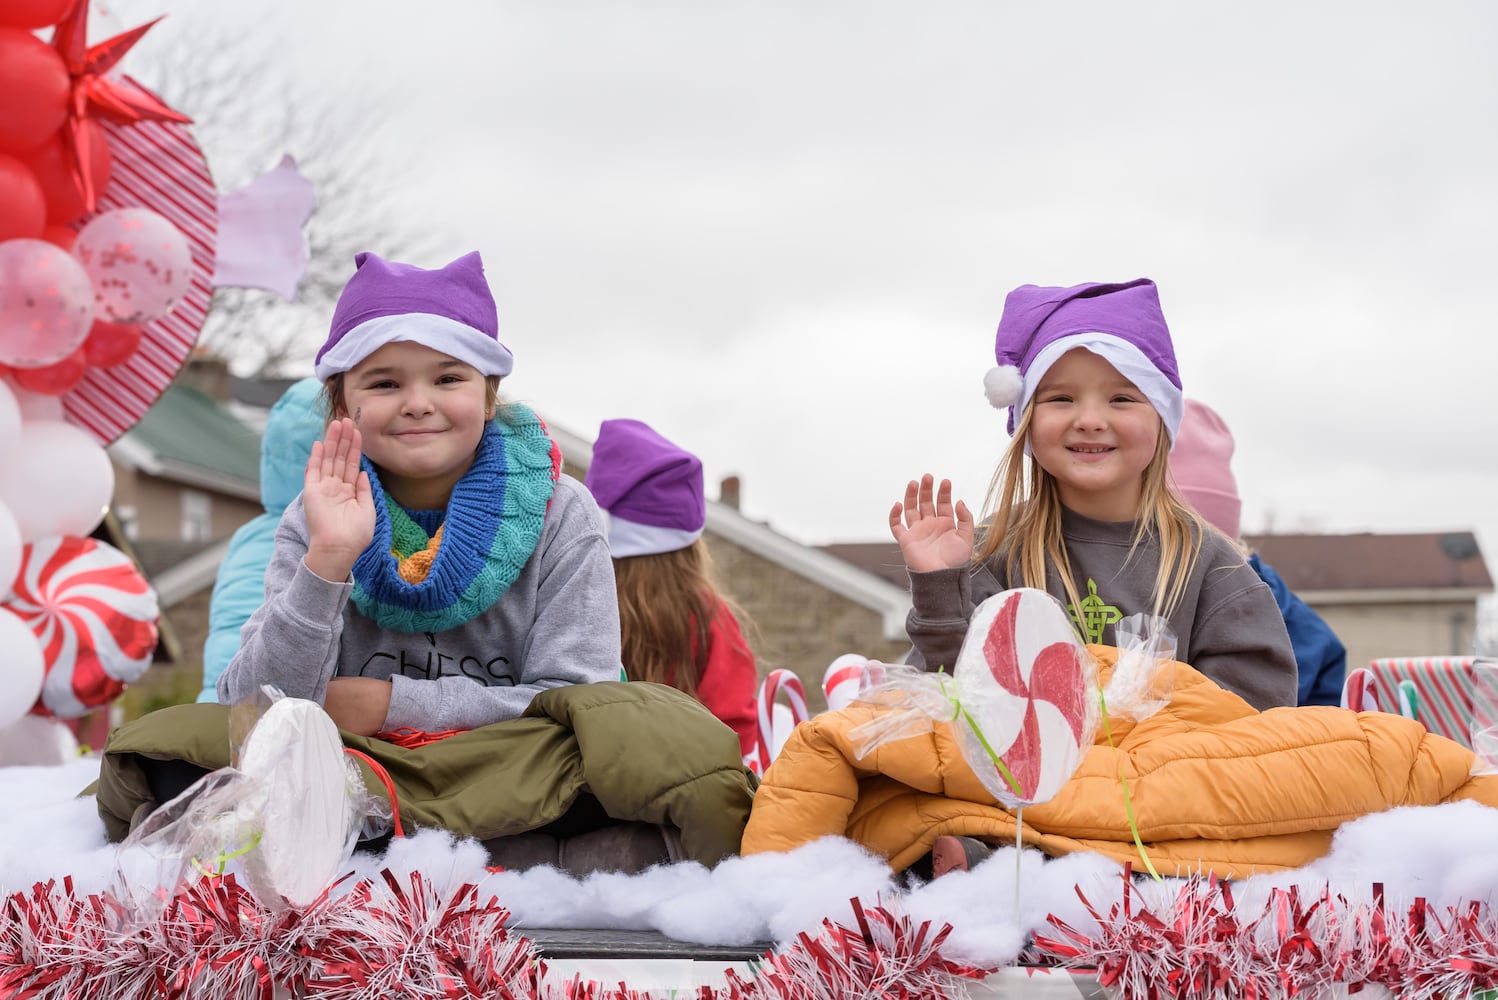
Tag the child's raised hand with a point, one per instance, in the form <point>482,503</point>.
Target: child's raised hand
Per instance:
<point>338,503</point>
<point>932,534</point>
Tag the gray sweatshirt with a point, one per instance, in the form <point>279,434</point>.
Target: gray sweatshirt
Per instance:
<point>557,624</point>
<point>1227,624</point>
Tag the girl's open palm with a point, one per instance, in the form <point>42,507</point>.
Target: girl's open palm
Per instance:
<point>932,533</point>
<point>338,503</point>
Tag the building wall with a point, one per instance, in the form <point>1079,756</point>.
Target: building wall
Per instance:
<point>797,625</point>
<point>1376,631</point>
<point>157,505</point>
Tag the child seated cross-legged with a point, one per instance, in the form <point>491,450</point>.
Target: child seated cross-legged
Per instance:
<point>448,597</point>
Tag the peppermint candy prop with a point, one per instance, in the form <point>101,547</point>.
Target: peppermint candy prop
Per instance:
<point>94,616</point>
<point>1027,697</point>
<point>777,721</point>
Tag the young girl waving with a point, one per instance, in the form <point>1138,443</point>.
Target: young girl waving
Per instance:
<point>448,597</point>
<point>437,571</point>
<point>676,627</point>
<point>1080,504</point>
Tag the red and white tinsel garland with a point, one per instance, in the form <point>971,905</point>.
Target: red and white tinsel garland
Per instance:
<point>389,938</point>
<point>1200,945</point>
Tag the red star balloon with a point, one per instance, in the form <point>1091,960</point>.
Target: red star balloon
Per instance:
<point>92,95</point>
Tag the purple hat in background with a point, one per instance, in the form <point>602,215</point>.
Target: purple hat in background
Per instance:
<point>1121,323</point>
<point>650,489</point>
<point>449,309</point>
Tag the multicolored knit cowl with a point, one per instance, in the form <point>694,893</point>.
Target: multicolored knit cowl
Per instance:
<point>411,579</point>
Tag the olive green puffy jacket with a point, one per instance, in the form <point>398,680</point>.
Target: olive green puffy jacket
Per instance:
<point>647,752</point>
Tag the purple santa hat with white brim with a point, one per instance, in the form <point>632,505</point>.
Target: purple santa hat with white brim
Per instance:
<point>449,309</point>
<point>649,488</point>
<point>1121,323</point>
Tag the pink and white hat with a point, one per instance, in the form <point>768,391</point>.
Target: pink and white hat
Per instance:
<point>1201,464</point>
<point>449,309</point>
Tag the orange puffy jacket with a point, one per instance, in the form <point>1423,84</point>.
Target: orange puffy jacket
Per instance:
<point>1216,786</point>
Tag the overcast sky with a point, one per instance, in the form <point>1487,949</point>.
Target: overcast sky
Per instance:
<point>782,232</point>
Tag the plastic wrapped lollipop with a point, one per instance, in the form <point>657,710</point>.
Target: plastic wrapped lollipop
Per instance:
<point>286,816</point>
<point>1024,698</point>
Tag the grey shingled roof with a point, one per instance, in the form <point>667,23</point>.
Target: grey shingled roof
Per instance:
<point>185,427</point>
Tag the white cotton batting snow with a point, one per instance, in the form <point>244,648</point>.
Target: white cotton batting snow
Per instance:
<point>1443,853</point>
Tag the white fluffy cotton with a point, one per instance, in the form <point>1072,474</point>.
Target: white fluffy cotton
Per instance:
<point>1443,853</point>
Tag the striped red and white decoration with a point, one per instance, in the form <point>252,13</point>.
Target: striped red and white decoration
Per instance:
<point>94,616</point>
<point>770,738</point>
<point>159,166</point>
<point>844,680</point>
<point>1443,685</point>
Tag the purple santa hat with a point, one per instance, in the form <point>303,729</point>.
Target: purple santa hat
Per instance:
<point>1121,323</point>
<point>650,489</point>
<point>449,309</point>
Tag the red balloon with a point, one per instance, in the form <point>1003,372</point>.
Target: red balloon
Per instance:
<point>23,211</point>
<point>55,379</point>
<point>110,344</point>
<point>34,13</point>
<point>60,236</point>
<point>34,80</point>
<point>53,167</point>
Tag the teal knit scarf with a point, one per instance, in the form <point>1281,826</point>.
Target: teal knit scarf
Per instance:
<point>489,529</point>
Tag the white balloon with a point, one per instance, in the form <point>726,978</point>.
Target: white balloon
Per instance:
<point>37,741</point>
<point>10,549</point>
<point>57,481</point>
<point>21,668</point>
<point>34,405</point>
<point>10,419</point>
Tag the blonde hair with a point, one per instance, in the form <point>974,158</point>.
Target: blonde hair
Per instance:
<point>1022,515</point>
<point>667,603</point>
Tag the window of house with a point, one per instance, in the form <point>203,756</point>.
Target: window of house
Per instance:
<point>197,516</point>
<point>129,517</point>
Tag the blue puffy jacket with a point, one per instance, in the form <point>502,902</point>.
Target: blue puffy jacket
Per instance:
<point>294,423</point>
<point>1320,657</point>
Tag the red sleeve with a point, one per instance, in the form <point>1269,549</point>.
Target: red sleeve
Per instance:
<point>730,679</point>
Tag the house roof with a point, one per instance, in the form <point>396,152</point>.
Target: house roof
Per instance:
<point>259,392</point>
<point>1324,566</point>
<point>1431,561</point>
<point>882,559</point>
<point>188,437</point>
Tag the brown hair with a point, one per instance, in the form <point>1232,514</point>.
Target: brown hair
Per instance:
<point>667,603</point>
<point>1023,519</point>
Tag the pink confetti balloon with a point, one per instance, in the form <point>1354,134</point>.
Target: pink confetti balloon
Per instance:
<point>140,264</point>
<point>46,303</point>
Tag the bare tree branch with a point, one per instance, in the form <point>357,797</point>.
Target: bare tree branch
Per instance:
<point>248,112</point>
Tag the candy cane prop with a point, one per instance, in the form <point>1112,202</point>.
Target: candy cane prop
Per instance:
<point>843,680</point>
<point>776,682</point>
<point>1361,692</point>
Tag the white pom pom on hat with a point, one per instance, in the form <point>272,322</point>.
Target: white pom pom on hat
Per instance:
<point>1003,385</point>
